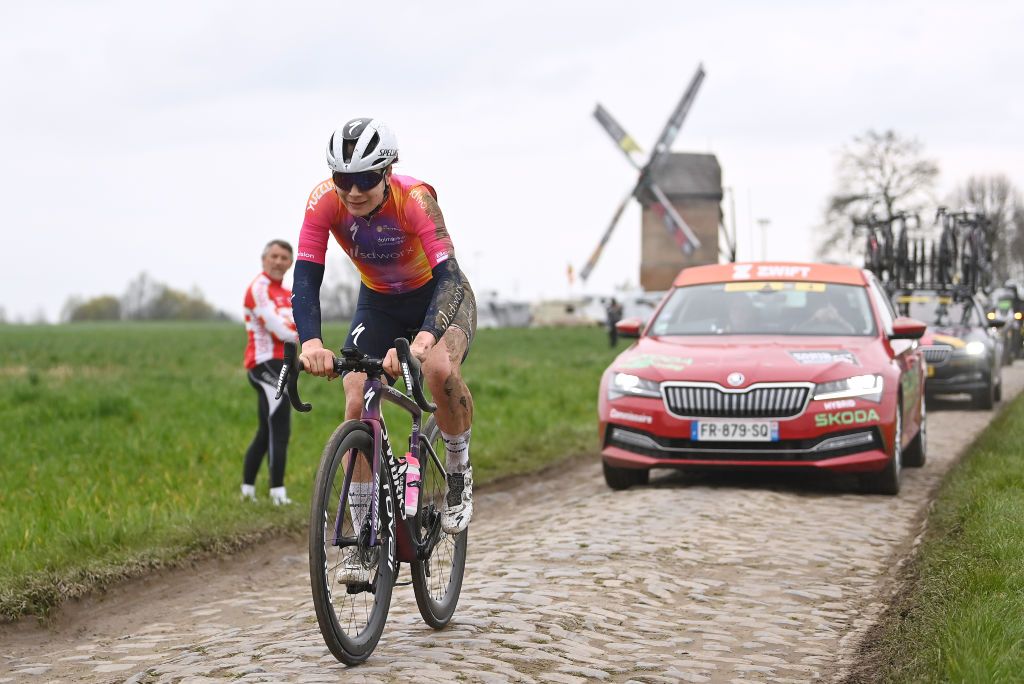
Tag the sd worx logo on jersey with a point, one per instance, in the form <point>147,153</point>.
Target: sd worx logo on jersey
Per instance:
<point>846,418</point>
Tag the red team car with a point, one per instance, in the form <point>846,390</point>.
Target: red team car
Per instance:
<point>767,365</point>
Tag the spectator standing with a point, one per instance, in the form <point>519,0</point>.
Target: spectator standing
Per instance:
<point>614,316</point>
<point>269,323</point>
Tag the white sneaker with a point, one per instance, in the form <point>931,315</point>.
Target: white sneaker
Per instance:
<point>278,496</point>
<point>459,502</point>
<point>248,492</point>
<point>357,566</point>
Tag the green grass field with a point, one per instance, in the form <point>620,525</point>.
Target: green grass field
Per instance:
<point>962,617</point>
<point>121,444</point>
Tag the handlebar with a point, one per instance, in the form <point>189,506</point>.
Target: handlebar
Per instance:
<point>413,374</point>
<point>352,360</point>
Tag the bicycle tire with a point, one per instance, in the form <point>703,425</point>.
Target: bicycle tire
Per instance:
<point>947,256</point>
<point>903,268</point>
<point>338,612</point>
<point>437,580</point>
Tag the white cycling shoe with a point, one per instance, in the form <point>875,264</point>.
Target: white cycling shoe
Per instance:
<point>459,509</point>
<point>356,568</point>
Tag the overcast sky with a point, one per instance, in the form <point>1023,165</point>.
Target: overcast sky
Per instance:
<point>177,139</point>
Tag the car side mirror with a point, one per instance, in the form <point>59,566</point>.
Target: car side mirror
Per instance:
<point>629,327</point>
<point>904,328</point>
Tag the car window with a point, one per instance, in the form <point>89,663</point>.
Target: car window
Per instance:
<point>884,306</point>
<point>766,308</point>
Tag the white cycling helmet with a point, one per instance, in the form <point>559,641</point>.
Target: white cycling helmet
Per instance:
<point>362,145</point>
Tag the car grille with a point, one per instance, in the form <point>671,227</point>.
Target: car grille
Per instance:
<point>831,445</point>
<point>708,400</point>
<point>937,354</point>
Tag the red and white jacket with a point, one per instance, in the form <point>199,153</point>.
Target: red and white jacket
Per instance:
<point>268,320</point>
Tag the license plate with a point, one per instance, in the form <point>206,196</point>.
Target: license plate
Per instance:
<point>734,431</point>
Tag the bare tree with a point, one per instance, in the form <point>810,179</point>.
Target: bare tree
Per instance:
<point>1000,200</point>
<point>881,174</point>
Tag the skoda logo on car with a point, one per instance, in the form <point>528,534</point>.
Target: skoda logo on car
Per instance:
<point>735,379</point>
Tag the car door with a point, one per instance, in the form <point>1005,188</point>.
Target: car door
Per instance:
<point>907,357</point>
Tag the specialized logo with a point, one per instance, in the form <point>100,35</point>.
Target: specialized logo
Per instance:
<point>741,271</point>
<point>353,228</point>
<point>354,125</point>
<point>735,379</point>
<point>356,332</point>
<point>846,418</point>
<point>633,417</point>
<point>369,397</point>
<point>388,151</point>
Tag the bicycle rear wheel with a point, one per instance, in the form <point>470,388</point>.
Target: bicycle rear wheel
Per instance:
<point>437,580</point>
<point>351,617</point>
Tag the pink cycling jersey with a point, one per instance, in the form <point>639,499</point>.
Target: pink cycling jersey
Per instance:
<point>395,249</point>
<point>268,320</point>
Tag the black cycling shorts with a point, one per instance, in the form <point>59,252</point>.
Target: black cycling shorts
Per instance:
<point>380,319</point>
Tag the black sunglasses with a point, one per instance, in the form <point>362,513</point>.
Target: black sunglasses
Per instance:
<point>364,180</point>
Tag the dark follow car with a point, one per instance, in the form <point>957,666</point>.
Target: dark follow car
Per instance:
<point>1007,305</point>
<point>963,348</point>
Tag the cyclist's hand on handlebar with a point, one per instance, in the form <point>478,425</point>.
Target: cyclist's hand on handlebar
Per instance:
<point>420,347</point>
<point>316,360</point>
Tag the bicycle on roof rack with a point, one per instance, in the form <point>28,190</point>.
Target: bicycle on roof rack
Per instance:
<point>890,254</point>
<point>351,615</point>
<point>964,249</point>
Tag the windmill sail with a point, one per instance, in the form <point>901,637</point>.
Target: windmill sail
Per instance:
<point>647,193</point>
<point>618,133</point>
<point>675,122</point>
<point>596,254</point>
<point>677,227</point>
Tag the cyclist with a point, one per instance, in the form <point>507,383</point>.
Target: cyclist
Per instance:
<point>268,322</point>
<point>392,229</point>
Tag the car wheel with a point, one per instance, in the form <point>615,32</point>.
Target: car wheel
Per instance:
<point>985,399</point>
<point>999,388</point>
<point>888,480</point>
<point>917,453</point>
<point>624,478</point>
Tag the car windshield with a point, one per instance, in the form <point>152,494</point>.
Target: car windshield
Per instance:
<point>938,309</point>
<point>766,308</point>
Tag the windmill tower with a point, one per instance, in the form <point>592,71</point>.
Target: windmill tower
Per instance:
<point>680,195</point>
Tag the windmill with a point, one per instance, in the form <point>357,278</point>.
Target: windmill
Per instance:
<point>646,191</point>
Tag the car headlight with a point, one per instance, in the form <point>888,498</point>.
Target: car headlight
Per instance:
<point>861,386</point>
<point>975,348</point>
<point>627,385</point>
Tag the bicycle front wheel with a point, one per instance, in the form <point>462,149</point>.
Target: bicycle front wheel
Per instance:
<point>351,616</point>
<point>437,580</point>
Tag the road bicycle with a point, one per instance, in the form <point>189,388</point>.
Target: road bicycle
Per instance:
<point>964,254</point>
<point>878,245</point>
<point>352,616</point>
<point>889,253</point>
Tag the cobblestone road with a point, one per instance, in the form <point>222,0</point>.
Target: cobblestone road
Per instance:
<point>723,579</point>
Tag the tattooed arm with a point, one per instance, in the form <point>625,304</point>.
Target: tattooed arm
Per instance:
<point>448,296</point>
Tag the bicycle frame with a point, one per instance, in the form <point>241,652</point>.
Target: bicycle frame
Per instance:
<point>410,545</point>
